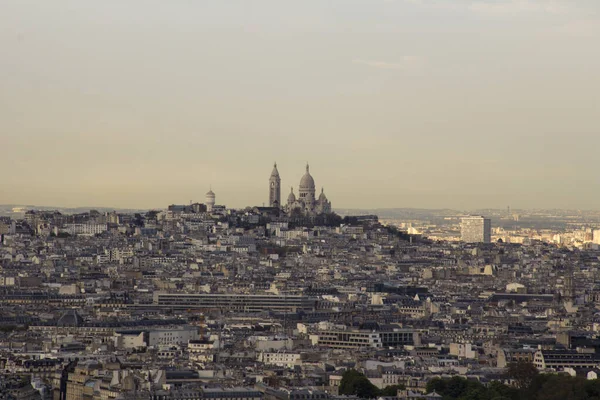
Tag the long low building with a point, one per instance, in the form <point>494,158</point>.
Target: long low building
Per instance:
<point>522,297</point>
<point>560,359</point>
<point>355,339</point>
<point>43,297</point>
<point>235,302</point>
<point>237,393</point>
<point>132,339</point>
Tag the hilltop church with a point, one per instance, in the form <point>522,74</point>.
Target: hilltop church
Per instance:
<point>306,203</point>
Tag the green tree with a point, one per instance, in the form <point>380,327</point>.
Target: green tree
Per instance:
<point>561,387</point>
<point>522,372</point>
<point>458,388</point>
<point>499,391</point>
<point>437,385</point>
<point>475,393</point>
<point>455,388</point>
<point>391,391</point>
<point>539,387</point>
<point>356,384</point>
<point>592,389</point>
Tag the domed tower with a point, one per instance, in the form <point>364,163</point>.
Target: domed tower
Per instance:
<point>307,189</point>
<point>210,200</point>
<point>322,196</point>
<point>291,199</point>
<point>323,205</point>
<point>275,188</point>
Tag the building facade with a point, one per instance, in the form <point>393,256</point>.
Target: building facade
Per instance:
<point>275,188</point>
<point>306,203</point>
<point>476,229</point>
<point>356,339</point>
<point>236,302</point>
<point>560,359</point>
<point>210,201</point>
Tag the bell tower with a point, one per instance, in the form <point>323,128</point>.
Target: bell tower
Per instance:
<point>275,188</point>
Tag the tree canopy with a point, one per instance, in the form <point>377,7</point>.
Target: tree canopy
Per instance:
<point>522,373</point>
<point>526,384</point>
<point>536,387</point>
<point>355,383</point>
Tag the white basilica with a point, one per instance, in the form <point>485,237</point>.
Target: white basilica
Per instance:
<point>306,203</point>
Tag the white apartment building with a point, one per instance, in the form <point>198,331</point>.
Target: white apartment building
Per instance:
<point>280,358</point>
<point>130,339</point>
<point>356,339</point>
<point>84,229</point>
<point>476,229</point>
<point>180,335</point>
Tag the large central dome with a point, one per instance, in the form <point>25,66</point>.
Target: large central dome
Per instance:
<point>307,181</point>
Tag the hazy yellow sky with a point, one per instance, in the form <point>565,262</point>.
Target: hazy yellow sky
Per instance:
<point>397,103</point>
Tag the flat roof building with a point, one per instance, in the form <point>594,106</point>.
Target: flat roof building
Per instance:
<point>476,229</point>
<point>236,302</point>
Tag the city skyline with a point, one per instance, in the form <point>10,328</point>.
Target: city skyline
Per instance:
<point>198,196</point>
<point>299,200</point>
<point>396,103</point>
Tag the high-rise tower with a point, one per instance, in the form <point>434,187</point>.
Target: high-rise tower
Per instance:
<point>275,188</point>
<point>475,230</point>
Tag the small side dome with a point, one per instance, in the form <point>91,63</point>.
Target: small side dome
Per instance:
<point>322,196</point>
<point>292,197</point>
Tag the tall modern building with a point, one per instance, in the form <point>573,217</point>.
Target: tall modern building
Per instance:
<point>275,188</point>
<point>476,229</point>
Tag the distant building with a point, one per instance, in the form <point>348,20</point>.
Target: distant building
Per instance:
<point>166,336</point>
<point>596,236</point>
<point>210,200</point>
<point>275,188</point>
<point>286,359</point>
<point>356,339</point>
<point>235,302</point>
<point>7,227</point>
<point>561,359</point>
<point>476,229</point>
<point>194,208</point>
<point>237,393</point>
<point>306,203</point>
<point>88,229</point>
